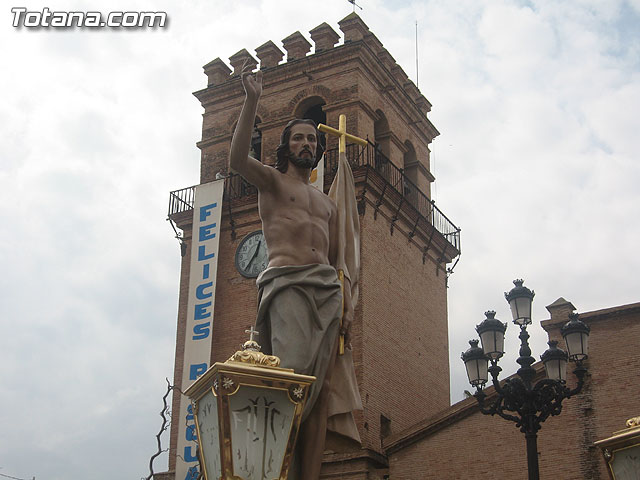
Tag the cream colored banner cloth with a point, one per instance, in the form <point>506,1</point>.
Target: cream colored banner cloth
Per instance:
<point>343,192</point>
<point>345,396</point>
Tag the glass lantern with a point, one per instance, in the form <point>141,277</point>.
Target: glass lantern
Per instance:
<point>248,412</point>
<point>555,362</point>
<point>576,336</point>
<point>491,332</point>
<point>520,299</point>
<point>622,451</point>
<point>477,364</point>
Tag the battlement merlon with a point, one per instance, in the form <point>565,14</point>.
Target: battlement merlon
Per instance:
<point>325,40</point>
<point>357,77</point>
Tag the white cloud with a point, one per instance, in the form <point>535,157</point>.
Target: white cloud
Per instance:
<point>536,103</point>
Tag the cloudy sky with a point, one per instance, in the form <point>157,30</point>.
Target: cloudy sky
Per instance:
<point>537,104</point>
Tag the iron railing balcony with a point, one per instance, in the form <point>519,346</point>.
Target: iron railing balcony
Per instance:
<point>362,160</point>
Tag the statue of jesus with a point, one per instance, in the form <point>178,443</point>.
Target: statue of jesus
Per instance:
<point>300,299</point>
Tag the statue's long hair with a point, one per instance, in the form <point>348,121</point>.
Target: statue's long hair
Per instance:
<point>283,153</point>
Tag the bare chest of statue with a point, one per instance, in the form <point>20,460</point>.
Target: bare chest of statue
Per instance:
<point>296,220</point>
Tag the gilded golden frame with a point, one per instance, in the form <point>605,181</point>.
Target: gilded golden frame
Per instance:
<point>225,379</point>
<point>620,441</point>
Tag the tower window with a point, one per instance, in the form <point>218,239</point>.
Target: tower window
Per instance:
<point>316,114</point>
<point>311,108</point>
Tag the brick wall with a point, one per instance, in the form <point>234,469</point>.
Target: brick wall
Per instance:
<point>404,331</point>
<point>612,394</point>
<point>180,343</point>
<point>462,440</point>
<point>236,299</point>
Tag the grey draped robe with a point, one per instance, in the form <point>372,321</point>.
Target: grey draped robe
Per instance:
<point>299,311</point>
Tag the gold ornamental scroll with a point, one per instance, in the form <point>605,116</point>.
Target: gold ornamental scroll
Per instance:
<point>343,136</point>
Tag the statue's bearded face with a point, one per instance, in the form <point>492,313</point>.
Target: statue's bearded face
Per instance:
<point>302,145</point>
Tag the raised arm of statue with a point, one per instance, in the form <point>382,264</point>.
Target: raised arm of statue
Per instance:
<point>239,160</point>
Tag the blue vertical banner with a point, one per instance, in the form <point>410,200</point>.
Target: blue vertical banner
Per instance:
<point>205,238</point>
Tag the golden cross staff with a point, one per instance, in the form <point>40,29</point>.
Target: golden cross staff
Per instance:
<point>342,134</point>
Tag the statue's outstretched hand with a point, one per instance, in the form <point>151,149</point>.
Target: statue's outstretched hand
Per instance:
<point>252,83</point>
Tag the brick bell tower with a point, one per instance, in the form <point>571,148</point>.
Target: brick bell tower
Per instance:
<point>400,338</point>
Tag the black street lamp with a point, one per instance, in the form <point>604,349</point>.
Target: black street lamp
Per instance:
<point>519,400</point>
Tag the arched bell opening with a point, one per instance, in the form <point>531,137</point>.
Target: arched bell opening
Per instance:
<point>312,108</point>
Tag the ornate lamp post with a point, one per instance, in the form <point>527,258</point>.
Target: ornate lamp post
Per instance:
<point>248,413</point>
<point>519,399</point>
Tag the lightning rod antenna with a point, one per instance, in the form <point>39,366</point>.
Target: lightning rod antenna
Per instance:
<point>417,71</point>
<point>353,2</point>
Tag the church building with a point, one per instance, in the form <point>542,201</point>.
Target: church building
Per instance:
<point>408,245</point>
